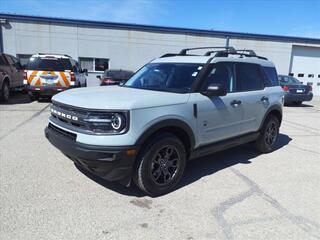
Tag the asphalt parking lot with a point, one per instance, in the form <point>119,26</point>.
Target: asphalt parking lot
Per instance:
<point>236,194</point>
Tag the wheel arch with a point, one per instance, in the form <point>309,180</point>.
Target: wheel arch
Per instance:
<point>177,127</point>
<point>273,110</point>
<point>6,78</point>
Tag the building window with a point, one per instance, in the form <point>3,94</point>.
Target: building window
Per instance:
<point>24,58</point>
<point>309,83</point>
<point>94,64</point>
<point>310,75</point>
<point>318,83</point>
<point>101,64</point>
<point>300,74</point>
<point>318,75</point>
<point>291,74</point>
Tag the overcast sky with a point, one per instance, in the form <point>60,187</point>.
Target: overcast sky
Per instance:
<point>278,17</point>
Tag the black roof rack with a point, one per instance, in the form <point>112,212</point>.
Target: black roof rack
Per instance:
<point>225,52</point>
<point>240,52</point>
<point>185,50</point>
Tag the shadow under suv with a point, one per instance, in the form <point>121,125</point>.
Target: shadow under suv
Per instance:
<point>176,108</point>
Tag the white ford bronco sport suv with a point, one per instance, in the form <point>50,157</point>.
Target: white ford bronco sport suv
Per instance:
<point>175,108</point>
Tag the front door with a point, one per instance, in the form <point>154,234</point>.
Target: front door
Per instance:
<point>219,118</point>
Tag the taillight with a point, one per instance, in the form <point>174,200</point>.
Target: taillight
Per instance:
<point>285,88</point>
<point>310,88</point>
<point>25,75</point>
<point>108,81</point>
<point>72,77</point>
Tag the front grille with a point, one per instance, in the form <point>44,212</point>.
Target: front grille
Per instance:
<point>62,132</point>
<point>86,120</point>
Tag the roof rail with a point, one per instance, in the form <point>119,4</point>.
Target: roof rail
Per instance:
<point>225,52</point>
<point>184,51</point>
<point>66,55</point>
<point>240,52</point>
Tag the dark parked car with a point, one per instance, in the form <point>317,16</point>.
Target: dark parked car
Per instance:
<point>114,77</point>
<point>295,91</point>
<point>11,75</point>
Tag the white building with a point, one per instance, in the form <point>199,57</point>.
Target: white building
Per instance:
<point>99,45</point>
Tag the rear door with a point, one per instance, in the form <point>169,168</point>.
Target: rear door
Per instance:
<point>255,97</point>
<point>17,71</point>
<point>49,71</point>
<point>219,117</point>
<point>79,75</point>
<point>14,71</point>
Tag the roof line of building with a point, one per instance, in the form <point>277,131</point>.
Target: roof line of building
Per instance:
<point>177,30</point>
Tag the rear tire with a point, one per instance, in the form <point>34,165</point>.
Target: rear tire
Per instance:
<point>268,135</point>
<point>34,96</point>
<point>5,91</point>
<point>160,165</point>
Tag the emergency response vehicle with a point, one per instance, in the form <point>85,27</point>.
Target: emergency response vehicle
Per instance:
<point>47,74</point>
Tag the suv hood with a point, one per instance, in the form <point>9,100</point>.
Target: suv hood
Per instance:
<point>115,97</point>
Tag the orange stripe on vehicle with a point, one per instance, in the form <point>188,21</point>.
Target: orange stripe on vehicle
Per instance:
<point>64,78</point>
<point>32,76</point>
<point>38,83</point>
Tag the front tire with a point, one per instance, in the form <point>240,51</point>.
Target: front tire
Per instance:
<point>161,164</point>
<point>268,135</point>
<point>5,91</point>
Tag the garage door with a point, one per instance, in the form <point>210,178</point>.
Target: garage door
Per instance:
<point>305,65</point>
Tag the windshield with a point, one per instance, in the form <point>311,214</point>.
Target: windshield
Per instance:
<point>289,80</point>
<point>169,77</point>
<point>51,64</point>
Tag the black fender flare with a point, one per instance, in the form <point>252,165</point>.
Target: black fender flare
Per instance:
<point>272,108</point>
<point>168,123</point>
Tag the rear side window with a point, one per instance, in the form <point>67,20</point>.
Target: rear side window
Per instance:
<point>271,76</point>
<point>249,77</point>
<point>50,64</point>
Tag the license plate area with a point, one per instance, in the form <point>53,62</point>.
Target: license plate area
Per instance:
<point>300,91</point>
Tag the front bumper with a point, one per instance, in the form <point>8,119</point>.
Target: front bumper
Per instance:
<point>110,163</point>
<point>290,97</point>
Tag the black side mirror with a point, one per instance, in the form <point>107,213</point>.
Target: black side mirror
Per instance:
<point>85,71</point>
<point>99,77</point>
<point>18,65</point>
<point>215,90</point>
<point>122,82</point>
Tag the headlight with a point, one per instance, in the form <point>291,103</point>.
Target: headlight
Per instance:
<point>117,121</point>
<point>113,123</point>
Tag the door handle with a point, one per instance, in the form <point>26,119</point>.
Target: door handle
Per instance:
<point>235,102</point>
<point>264,99</point>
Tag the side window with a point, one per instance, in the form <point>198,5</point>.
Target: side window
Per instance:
<point>222,73</point>
<point>10,60</point>
<point>250,77</point>
<point>74,66</point>
<point>271,78</point>
<point>2,61</point>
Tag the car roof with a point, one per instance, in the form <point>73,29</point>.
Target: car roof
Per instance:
<point>51,55</point>
<point>204,59</point>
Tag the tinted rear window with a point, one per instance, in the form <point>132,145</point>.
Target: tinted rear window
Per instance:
<point>287,80</point>
<point>50,64</point>
<point>249,76</point>
<point>271,76</point>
